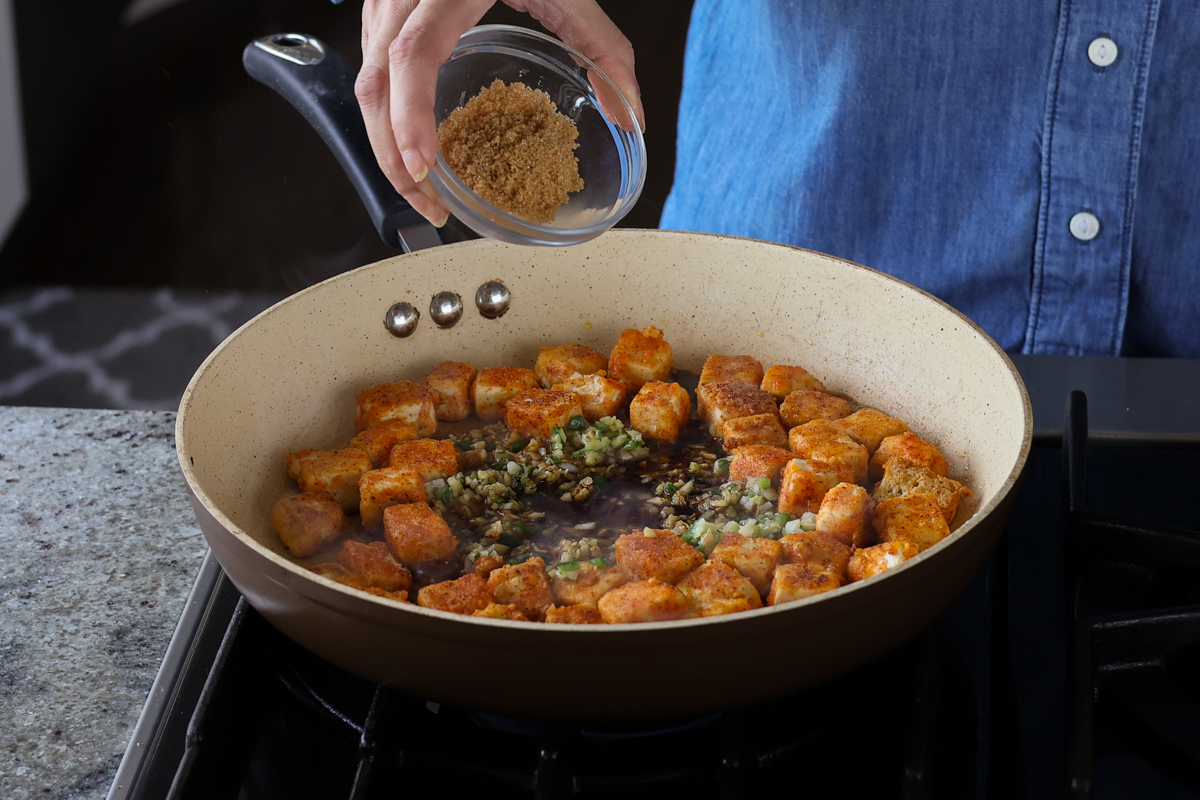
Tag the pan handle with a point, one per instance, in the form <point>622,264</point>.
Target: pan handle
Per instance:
<point>320,85</point>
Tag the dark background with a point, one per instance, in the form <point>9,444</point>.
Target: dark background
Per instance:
<point>153,160</point>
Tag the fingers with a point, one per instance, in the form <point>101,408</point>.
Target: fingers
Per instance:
<point>584,25</point>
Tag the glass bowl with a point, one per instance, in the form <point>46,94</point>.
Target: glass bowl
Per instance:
<point>611,152</point>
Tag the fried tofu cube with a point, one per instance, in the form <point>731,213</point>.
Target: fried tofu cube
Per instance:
<point>909,447</point>
<point>658,554</point>
<point>337,572</point>
<point>870,427</point>
<point>308,522</point>
<point>577,614</point>
<point>429,458</point>
<point>294,459</point>
<point>845,513</point>
<point>402,401</point>
<point>743,369</point>
<point>599,396</point>
<point>639,357</point>
<point>870,561</point>
<point>524,585</point>
<point>780,381</point>
<point>817,549</point>
<point>715,588</point>
<point>804,406</point>
<point>378,440</point>
<point>557,364</point>
<point>754,558</point>
<point>415,533</point>
<point>915,518</point>
<point>494,386</point>
<point>757,429</point>
<point>660,410</point>
<point>465,595</point>
<point>450,383</point>
<point>537,412</point>
<point>824,440</point>
<point>643,601</point>
<point>793,582</point>
<point>901,477</point>
<point>385,487</point>
<point>486,564</point>
<point>498,611</point>
<point>589,585</point>
<point>758,461</point>
<point>375,565</point>
<point>336,473</point>
<point>804,484</point>
<point>724,400</point>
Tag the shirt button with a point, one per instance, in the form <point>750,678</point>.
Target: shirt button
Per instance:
<point>1102,51</point>
<point>1084,226</point>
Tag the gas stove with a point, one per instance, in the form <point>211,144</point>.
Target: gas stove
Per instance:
<point>1068,666</point>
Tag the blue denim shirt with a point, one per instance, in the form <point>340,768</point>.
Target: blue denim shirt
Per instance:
<point>1031,162</point>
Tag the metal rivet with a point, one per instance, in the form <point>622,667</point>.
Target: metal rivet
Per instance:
<point>446,309</point>
<point>492,299</point>
<point>401,320</point>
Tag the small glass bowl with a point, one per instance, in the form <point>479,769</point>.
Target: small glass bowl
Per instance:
<point>611,152</point>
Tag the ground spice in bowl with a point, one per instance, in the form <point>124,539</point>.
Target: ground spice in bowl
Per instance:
<point>510,145</point>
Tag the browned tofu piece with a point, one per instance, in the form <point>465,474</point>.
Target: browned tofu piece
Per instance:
<point>577,614</point>
<point>743,369</point>
<point>660,410</point>
<point>537,412</point>
<point>915,518</point>
<point>557,364</point>
<point>657,554</point>
<point>400,596</point>
<point>757,429</point>
<point>402,401</point>
<point>781,380</point>
<point>494,386</point>
<point>336,473</point>
<point>524,585</point>
<point>450,382</point>
<point>871,561</point>
<point>723,400</point>
<point>754,558</point>
<point>294,459</point>
<point>639,357</point>
<point>377,441</point>
<point>485,564</point>
<point>336,572</point>
<point>385,487</point>
<point>465,595</point>
<point>308,522</point>
<point>817,549</point>
<point>598,395</point>
<point>824,440</point>
<point>902,477</point>
<point>715,588</point>
<point>804,484</point>
<point>643,601</point>
<point>498,611</point>
<point>758,461</point>
<point>589,585</point>
<point>416,533</point>
<point>793,582</point>
<point>845,513</point>
<point>870,427</point>
<point>804,406</point>
<point>429,458</point>
<point>375,565</point>
<point>909,447</point>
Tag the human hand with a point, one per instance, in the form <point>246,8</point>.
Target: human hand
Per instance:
<point>405,41</point>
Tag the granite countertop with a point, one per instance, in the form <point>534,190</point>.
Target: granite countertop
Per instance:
<point>100,551</point>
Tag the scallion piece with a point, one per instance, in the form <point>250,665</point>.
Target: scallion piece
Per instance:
<point>577,423</point>
<point>517,445</point>
<point>509,540</point>
<point>523,527</point>
<point>721,465</point>
<point>599,562</point>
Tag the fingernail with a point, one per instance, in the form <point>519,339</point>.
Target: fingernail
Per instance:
<point>415,165</point>
<point>440,217</point>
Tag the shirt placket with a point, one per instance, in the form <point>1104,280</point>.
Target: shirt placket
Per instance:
<point>1091,142</point>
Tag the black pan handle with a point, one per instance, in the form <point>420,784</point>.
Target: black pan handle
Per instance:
<point>320,85</point>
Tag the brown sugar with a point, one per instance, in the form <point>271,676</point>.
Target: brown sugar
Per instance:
<point>513,148</point>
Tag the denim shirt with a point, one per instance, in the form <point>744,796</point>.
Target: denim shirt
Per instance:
<point>1034,163</point>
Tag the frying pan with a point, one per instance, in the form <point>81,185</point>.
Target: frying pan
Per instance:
<point>287,380</point>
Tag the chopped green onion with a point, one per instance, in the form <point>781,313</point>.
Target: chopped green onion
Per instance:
<point>489,446</point>
<point>669,488</point>
<point>521,559</point>
<point>577,423</point>
<point>465,443</point>
<point>443,494</point>
<point>519,444</point>
<point>600,480</point>
<point>567,566</point>
<point>523,527</point>
<point>764,483</point>
<point>508,540</point>
<point>782,518</point>
<point>634,444</point>
<point>722,465</point>
<point>599,562</point>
